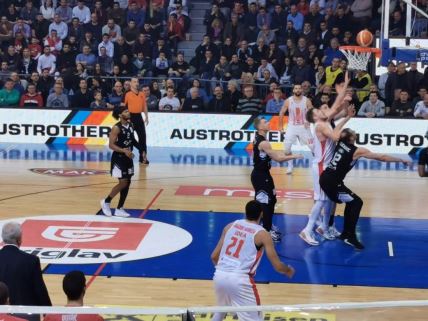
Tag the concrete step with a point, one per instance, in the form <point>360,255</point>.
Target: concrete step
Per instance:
<point>189,44</point>
<point>201,6</point>
<point>197,13</point>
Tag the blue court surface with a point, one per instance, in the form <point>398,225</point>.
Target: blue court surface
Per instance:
<point>331,263</point>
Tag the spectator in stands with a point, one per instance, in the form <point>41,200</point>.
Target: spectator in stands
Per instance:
<point>4,300</point>
<point>175,32</point>
<point>266,35</point>
<point>93,26</point>
<point>57,99</point>
<point>64,12</point>
<point>46,61</point>
<point>45,83</point>
<point>98,102</point>
<point>5,30</point>
<point>278,22</point>
<point>361,13</point>
<point>143,66</point>
<point>301,72</point>
<point>421,96</point>
<point>31,98</point>
<point>264,65</point>
<point>28,13</point>
<point>402,107</point>
<point>206,68</point>
<point>112,29</point>
<point>138,15</point>
<point>47,10</point>
<point>219,103</point>
<point>333,74</point>
<point>180,68</point>
<point>26,64</point>
<point>362,83</point>
<point>53,42</point>
<point>82,12</point>
<point>296,18</point>
<point>384,77</point>
<point>18,84</point>
<point>414,77</point>
<point>74,286</point>
<point>421,108</point>
<point>234,30</point>
<point>86,58</point>
<point>117,14</point>
<point>275,104</point>
<point>21,272</point>
<point>233,94</point>
<point>131,33</point>
<point>107,44</point>
<point>169,102</point>
<point>248,103</point>
<point>116,97</point>
<point>193,103</point>
<point>397,80</point>
<point>152,102</point>
<point>374,107</point>
<point>121,48</point>
<point>161,65</point>
<point>82,97</point>
<point>60,26</point>
<point>397,24</point>
<point>22,27</point>
<point>8,95</point>
<point>12,58</point>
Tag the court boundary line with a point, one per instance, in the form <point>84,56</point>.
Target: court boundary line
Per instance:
<point>141,216</point>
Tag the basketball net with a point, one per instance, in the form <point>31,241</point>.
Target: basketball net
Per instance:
<point>358,57</point>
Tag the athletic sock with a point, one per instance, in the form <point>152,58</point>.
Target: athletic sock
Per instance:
<point>315,213</point>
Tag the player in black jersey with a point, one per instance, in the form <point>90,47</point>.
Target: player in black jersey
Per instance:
<point>345,156</point>
<point>423,160</point>
<point>121,141</point>
<point>260,176</point>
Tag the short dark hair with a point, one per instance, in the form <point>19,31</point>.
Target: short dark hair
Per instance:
<point>374,92</point>
<point>346,135</point>
<point>310,116</point>
<point>74,284</point>
<point>257,121</point>
<point>253,210</point>
<point>4,293</point>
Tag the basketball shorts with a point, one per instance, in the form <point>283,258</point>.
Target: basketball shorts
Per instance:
<point>263,186</point>
<point>121,166</point>
<point>233,289</point>
<point>336,191</point>
<point>297,132</point>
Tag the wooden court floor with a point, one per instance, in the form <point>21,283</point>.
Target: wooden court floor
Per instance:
<point>394,194</point>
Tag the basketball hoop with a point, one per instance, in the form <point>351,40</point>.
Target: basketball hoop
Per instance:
<point>358,57</point>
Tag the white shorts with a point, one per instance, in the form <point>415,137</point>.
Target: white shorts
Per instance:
<point>317,169</point>
<point>295,132</point>
<point>234,289</point>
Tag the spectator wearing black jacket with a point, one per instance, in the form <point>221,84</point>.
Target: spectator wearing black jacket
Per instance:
<point>66,59</point>
<point>194,103</point>
<point>219,103</point>
<point>83,97</point>
<point>233,94</point>
<point>301,72</point>
<point>26,64</point>
<point>46,82</point>
<point>397,80</point>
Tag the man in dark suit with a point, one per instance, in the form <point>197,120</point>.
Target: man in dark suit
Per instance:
<point>20,271</point>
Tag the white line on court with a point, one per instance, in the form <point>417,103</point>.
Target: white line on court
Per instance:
<point>390,249</point>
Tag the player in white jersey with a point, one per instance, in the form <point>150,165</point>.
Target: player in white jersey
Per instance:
<point>236,258</point>
<point>325,138</point>
<point>297,128</point>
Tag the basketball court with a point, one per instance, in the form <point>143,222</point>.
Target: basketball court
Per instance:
<point>180,204</point>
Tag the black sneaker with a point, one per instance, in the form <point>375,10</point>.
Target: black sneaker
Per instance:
<point>354,242</point>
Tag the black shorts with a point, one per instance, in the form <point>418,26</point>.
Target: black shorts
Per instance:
<point>336,191</point>
<point>121,166</point>
<point>264,187</point>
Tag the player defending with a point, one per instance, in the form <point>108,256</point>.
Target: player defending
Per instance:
<point>297,128</point>
<point>325,139</point>
<point>121,141</point>
<point>236,258</point>
<point>260,176</point>
<point>345,156</point>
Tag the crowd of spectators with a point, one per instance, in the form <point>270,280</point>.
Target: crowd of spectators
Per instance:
<point>81,54</point>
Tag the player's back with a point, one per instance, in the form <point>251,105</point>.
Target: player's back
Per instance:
<point>297,110</point>
<point>323,150</point>
<point>239,253</point>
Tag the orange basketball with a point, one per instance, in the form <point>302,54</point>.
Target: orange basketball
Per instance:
<point>364,38</point>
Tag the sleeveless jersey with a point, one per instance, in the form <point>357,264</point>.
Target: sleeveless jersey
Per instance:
<point>342,161</point>
<point>297,111</point>
<point>262,161</point>
<point>323,151</point>
<point>125,139</point>
<point>239,253</point>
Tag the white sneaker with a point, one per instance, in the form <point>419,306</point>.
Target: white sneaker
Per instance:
<point>105,207</point>
<point>308,238</point>
<point>289,170</point>
<point>120,212</point>
<point>325,234</point>
<point>333,231</point>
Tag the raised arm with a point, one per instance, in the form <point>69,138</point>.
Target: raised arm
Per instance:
<point>334,134</point>
<point>338,103</point>
<point>277,155</point>
<point>265,239</point>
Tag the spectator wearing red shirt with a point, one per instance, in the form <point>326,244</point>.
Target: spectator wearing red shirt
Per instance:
<point>74,286</point>
<point>31,98</point>
<point>175,31</point>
